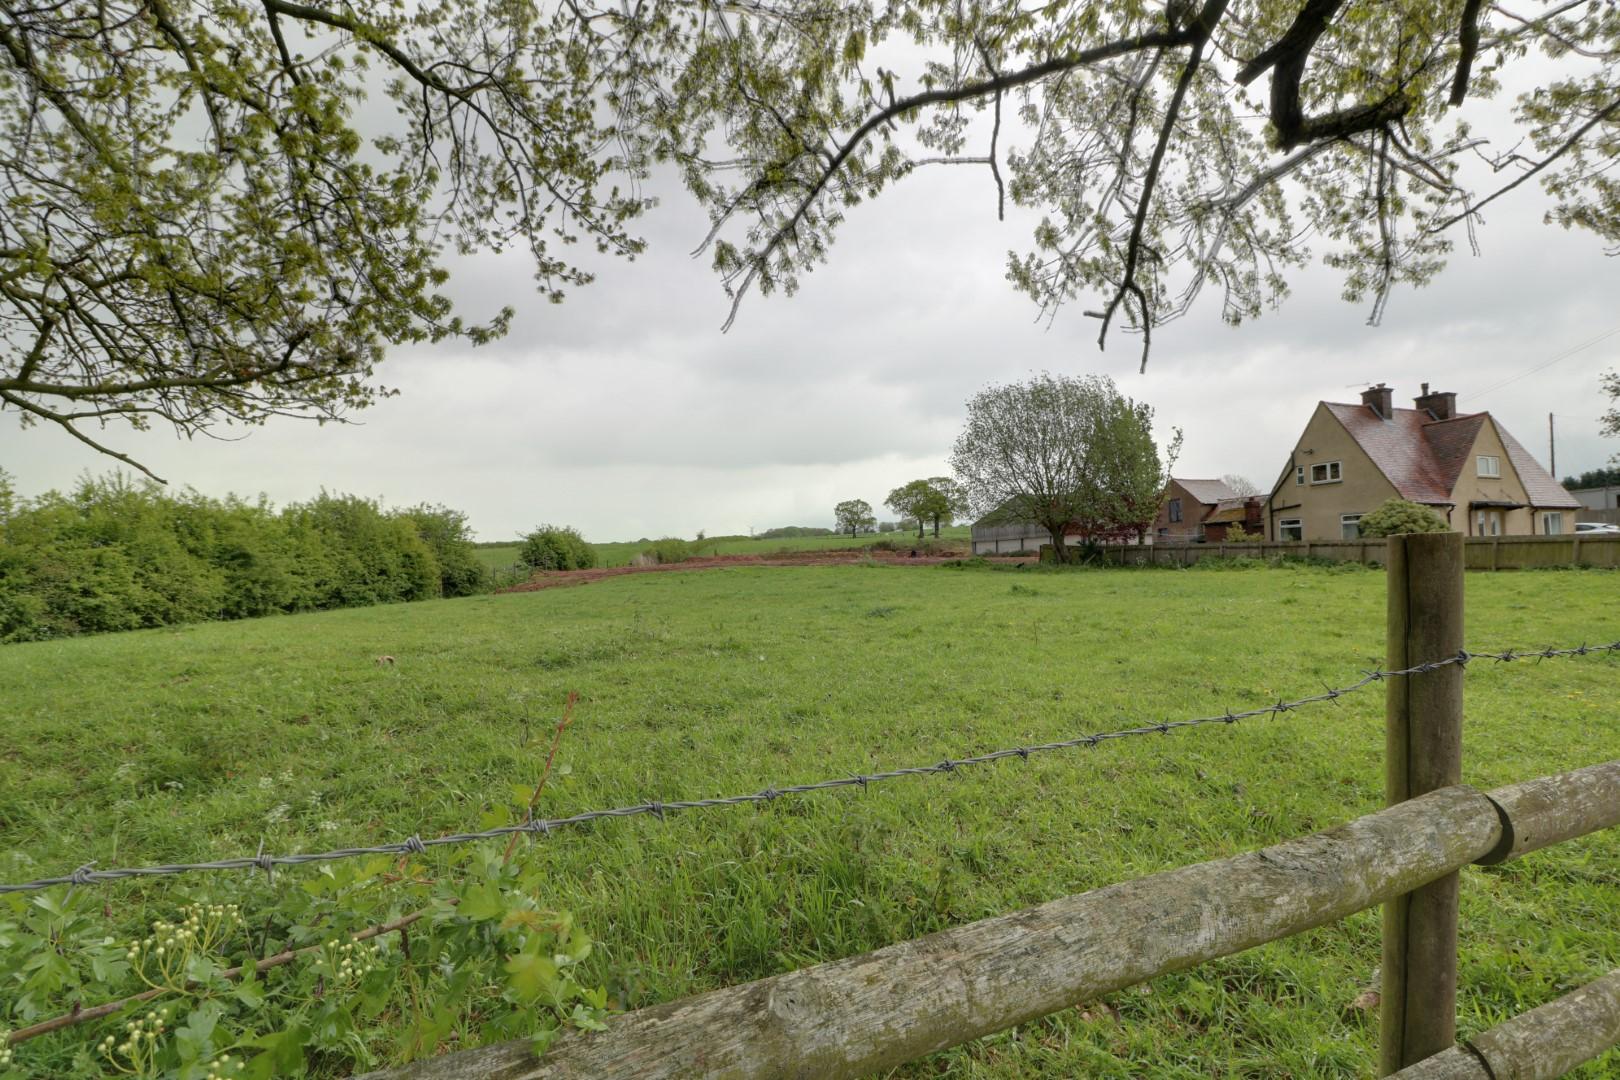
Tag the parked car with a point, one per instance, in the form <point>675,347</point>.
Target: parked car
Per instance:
<point>1600,527</point>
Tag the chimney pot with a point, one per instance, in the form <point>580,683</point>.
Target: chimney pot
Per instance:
<point>1380,399</point>
<point>1440,403</point>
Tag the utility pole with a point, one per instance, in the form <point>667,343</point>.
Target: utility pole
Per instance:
<point>1552,449</point>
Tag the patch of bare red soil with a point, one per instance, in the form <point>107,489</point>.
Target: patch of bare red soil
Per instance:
<point>550,579</point>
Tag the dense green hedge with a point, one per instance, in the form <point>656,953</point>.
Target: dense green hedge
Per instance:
<point>115,554</point>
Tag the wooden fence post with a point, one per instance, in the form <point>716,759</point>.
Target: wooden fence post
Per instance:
<point>1423,752</point>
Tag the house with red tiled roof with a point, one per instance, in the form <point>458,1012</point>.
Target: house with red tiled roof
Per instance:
<point>1193,511</point>
<point>1466,467</point>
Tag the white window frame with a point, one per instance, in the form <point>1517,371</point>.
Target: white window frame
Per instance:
<point>1284,525</point>
<point>1552,523</point>
<point>1492,518</point>
<point>1349,526</point>
<point>1332,472</point>
<point>1490,466</point>
<point>1299,475</point>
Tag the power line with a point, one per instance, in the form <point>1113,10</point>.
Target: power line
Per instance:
<point>1565,355</point>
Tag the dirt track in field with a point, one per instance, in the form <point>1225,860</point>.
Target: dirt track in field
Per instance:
<point>551,579</point>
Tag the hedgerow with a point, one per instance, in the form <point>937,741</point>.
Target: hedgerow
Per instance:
<point>117,554</point>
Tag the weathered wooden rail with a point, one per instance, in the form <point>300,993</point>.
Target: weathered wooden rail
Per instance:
<point>851,1017</point>
<point>856,1016</point>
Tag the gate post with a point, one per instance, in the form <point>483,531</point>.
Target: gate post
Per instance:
<point>1423,751</point>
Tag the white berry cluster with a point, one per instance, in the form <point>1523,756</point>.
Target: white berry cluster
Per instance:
<point>6,1052</point>
<point>351,961</point>
<point>139,1042</point>
<point>223,1068</point>
<point>201,926</point>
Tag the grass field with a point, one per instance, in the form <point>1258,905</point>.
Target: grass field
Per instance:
<point>620,553</point>
<point>498,558</point>
<point>197,742</point>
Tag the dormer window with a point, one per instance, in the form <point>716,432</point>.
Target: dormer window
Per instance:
<point>1327,472</point>
<point>1490,466</point>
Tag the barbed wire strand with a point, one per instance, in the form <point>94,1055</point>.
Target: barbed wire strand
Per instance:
<point>415,845</point>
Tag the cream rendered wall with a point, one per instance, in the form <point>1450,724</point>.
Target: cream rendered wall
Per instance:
<point>1362,488</point>
<point>1509,488</point>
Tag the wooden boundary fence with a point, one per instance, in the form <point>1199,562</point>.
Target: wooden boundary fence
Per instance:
<point>852,1017</point>
<point>1480,552</point>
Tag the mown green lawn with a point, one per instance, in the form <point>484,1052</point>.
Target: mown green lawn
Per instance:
<point>198,742</point>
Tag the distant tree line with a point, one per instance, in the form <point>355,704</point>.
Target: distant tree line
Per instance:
<point>1593,478</point>
<point>116,554</point>
<point>792,532</point>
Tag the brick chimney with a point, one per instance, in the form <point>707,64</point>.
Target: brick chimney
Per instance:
<point>1442,405</point>
<point>1253,518</point>
<point>1380,399</point>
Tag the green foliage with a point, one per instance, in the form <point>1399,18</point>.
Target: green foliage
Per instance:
<point>1162,154</point>
<point>938,499</point>
<point>1235,534</point>
<point>481,942</point>
<point>1068,454</point>
<point>202,229</point>
<point>1597,477</point>
<point>1396,517</point>
<point>854,516</point>
<point>556,547</point>
<point>1611,386</point>
<point>445,532</point>
<point>196,743</point>
<point>667,550</point>
<point>792,532</point>
<point>114,554</point>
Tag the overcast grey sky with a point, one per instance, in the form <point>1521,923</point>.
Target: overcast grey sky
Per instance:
<point>627,413</point>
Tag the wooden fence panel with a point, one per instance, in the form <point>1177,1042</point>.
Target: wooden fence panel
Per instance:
<point>1479,552</point>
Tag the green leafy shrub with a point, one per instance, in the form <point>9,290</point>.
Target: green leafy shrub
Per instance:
<point>554,547</point>
<point>445,532</point>
<point>1397,517</point>
<point>465,952</point>
<point>667,550</point>
<point>117,554</point>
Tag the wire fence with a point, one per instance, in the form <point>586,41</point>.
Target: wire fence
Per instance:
<point>415,845</point>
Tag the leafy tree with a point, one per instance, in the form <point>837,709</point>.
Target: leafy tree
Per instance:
<point>1129,474</point>
<point>1022,454</point>
<point>1397,517</point>
<point>854,515</point>
<point>950,501</point>
<point>1611,419</point>
<point>1594,477</point>
<point>1065,453</point>
<point>557,547</point>
<point>199,228</point>
<point>913,501</point>
<point>446,533</point>
<point>1171,147</point>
